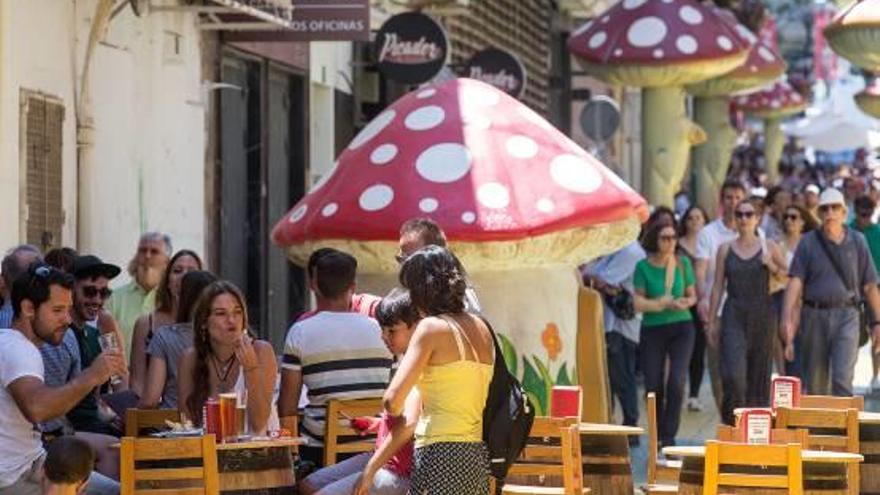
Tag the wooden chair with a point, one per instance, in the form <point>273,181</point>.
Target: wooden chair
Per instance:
<point>759,456</point>
<point>779,436</point>
<point>554,450</point>
<point>137,420</point>
<point>822,424</point>
<point>337,428</point>
<point>665,471</point>
<point>831,402</point>
<point>166,480</point>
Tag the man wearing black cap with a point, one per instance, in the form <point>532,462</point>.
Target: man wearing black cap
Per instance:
<point>90,291</point>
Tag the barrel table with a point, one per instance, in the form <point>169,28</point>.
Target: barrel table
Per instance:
<point>869,447</point>
<point>257,467</point>
<point>824,472</point>
<point>605,455</point>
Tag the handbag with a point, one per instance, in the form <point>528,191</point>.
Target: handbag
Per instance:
<point>622,304</point>
<point>860,304</point>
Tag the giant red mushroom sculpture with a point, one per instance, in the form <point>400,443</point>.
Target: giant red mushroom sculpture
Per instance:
<point>855,34</point>
<point>773,104</point>
<point>522,205</point>
<point>660,45</point>
<point>710,160</point>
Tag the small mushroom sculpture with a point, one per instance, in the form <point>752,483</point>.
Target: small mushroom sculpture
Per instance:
<point>521,204</point>
<point>773,104</point>
<point>854,34</point>
<point>710,160</point>
<point>868,100</point>
<point>660,45</point>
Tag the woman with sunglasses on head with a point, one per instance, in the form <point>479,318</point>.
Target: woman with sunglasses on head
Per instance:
<point>664,293</point>
<point>225,358</point>
<point>745,339</point>
<point>167,300</point>
<point>796,221</point>
<point>692,222</point>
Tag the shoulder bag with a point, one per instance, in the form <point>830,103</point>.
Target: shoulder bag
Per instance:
<point>850,287</point>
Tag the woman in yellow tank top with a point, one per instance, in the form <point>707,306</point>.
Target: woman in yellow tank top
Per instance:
<point>450,361</point>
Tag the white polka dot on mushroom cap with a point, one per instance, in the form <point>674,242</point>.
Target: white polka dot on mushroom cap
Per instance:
<point>329,209</point>
<point>597,40</point>
<point>646,32</point>
<point>522,147</point>
<point>744,32</point>
<point>658,53</point>
<point>606,19</point>
<point>766,54</point>
<point>690,15</point>
<point>444,163</point>
<point>373,129</point>
<point>429,205</point>
<point>376,197</point>
<point>724,43</point>
<point>575,174</point>
<point>633,4</point>
<point>545,205</point>
<point>753,68</point>
<point>425,118</point>
<point>383,154</point>
<point>468,217</point>
<point>493,195</point>
<point>686,44</point>
<point>618,52</point>
<point>478,96</point>
<point>298,213</point>
<point>426,93</point>
<point>775,104</point>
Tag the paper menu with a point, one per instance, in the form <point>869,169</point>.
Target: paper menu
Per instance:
<point>785,392</point>
<point>757,426</point>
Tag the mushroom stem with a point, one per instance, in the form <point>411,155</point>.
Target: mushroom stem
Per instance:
<point>774,141</point>
<point>710,160</point>
<point>667,137</point>
<point>868,104</point>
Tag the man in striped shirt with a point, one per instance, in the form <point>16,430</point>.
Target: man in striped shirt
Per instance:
<point>336,354</point>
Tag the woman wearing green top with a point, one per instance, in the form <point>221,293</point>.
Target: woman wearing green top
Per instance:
<point>664,293</point>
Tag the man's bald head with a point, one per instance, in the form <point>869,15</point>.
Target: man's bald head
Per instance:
<point>17,261</point>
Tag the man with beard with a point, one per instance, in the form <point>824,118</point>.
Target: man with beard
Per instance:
<point>14,264</point>
<point>137,298</point>
<point>90,291</point>
<point>42,301</point>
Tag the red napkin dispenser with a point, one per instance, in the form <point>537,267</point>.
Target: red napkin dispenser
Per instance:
<point>785,391</point>
<point>757,426</point>
<point>565,402</point>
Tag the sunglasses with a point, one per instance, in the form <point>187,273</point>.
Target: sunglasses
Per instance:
<point>90,291</point>
<point>791,217</point>
<point>744,214</point>
<point>827,208</point>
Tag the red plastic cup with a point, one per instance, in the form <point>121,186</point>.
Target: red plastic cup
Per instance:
<point>565,402</point>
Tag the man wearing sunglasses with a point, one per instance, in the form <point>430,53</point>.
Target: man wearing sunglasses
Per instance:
<point>90,291</point>
<point>832,273</point>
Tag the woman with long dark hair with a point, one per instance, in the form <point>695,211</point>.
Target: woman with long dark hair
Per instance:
<point>168,344</point>
<point>747,334</point>
<point>450,362</point>
<point>692,222</point>
<point>225,358</point>
<point>167,299</point>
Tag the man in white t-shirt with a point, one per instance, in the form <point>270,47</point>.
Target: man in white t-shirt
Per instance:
<point>336,354</point>
<point>42,300</point>
<point>719,231</point>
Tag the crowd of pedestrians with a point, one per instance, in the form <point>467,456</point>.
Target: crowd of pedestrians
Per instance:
<point>75,354</point>
<point>783,280</point>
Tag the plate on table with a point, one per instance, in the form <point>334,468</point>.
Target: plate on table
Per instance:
<point>197,432</point>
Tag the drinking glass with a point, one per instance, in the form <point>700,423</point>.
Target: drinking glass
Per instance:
<point>228,405</point>
<point>108,342</point>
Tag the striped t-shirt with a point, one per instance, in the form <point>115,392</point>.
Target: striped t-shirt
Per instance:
<point>341,356</point>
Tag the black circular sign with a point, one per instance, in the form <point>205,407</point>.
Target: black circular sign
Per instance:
<point>411,48</point>
<point>600,118</point>
<point>499,68</point>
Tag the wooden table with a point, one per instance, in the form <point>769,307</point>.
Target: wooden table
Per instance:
<point>259,467</point>
<point>824,471</point>
<point>606,462</point>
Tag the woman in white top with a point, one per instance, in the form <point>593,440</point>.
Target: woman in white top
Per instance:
<point>224,358</point>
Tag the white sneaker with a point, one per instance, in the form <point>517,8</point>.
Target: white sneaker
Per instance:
<point>694,404</point>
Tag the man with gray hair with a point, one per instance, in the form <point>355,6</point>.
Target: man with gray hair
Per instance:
<point>137,298</point>
<point>15,264</point>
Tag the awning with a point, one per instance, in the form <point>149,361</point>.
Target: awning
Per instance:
<point>237,15</point>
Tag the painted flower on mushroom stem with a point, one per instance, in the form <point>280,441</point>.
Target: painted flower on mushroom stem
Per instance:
<point>552,342</point>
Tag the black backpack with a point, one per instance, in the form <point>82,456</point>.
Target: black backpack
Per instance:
<point>507,417</point>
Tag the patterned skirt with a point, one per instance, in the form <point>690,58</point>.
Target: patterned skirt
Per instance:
<point>451,468</point>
